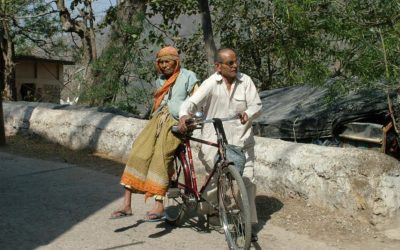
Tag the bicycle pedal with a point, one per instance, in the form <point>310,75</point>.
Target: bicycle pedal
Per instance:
<point>173,192</point>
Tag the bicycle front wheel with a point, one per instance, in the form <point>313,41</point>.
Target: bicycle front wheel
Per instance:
<point>234,209</point>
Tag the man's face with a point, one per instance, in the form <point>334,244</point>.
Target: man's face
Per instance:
<point>167,66</point>
<point>228,67</point>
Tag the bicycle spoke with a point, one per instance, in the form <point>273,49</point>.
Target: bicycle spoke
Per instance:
<point>176,206</point>
<point>235,218</point>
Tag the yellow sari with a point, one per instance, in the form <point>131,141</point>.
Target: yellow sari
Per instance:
<point>151,157</point>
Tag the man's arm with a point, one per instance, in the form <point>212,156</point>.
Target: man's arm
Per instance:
<point>195,88</point>
<point>253,101</point>
<point>196,100</point>
<point>193,103</point>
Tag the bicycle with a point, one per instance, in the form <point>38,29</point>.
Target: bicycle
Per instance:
<point>233,204</point>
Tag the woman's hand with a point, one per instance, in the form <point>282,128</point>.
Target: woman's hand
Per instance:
<point>182,125</point>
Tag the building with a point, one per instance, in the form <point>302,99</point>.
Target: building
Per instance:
<point>39,79</point>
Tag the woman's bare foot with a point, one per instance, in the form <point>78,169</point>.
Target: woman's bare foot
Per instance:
<point>156,213</point>
<point>126,209</point>
<point>121,213</point>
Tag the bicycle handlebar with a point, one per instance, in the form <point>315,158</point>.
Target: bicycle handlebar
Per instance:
<point>233,117</point>
<point>197,123</point>
<point>175,130</point>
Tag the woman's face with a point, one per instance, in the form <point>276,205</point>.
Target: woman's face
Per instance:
<point>167,66</point>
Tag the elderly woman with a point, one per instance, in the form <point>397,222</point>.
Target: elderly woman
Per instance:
<point>152,152</point>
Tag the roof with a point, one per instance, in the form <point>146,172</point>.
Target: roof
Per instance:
<point>42,59</point>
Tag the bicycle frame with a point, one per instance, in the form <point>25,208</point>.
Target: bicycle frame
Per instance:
<point>184,153</point>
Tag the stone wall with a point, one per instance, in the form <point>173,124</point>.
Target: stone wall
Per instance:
<point>105,133</point>
<point>354,181</point>
<point>349,179</point>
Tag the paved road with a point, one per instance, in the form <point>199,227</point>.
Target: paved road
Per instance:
<point>52,205</point>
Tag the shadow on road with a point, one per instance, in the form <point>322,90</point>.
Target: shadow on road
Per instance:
<point>195,222</point>
<point>122,229</point>
<point>123,246</point>
<point>266,206</point>
<point>42,200</point>
<point>167,229</point>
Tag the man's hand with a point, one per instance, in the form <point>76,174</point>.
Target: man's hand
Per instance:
<point>243,118</point>
<point>182,126</point>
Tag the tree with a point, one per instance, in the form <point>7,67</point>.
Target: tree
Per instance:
<point>26,26</point>
<point>2,84</point>
<point>283,43</point>
<point>199,49</point>
<point>131,40</point>
<point>206,24</point>
<point>126,21</point>
<point>83,25</point>
<point>8,53</point>
<point>280,43</point>
<point>2,129</point>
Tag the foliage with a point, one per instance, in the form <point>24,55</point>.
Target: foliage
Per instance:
<point>286,42</point>
<point>122,68</point>
<point>34,26</point>
<point>26,27</point>
<point>130,88</point>
<point>344,45</point>
<point>125,67</point>
<point>194,55</point>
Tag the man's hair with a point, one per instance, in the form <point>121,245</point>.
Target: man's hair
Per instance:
<point>218,58</point>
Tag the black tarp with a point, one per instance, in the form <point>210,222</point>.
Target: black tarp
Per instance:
<point>304,112</point>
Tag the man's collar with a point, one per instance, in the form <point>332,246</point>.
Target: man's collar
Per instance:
<point>239,77</point>
<point>218,77</point>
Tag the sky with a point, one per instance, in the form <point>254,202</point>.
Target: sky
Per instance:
<point>100,6</point>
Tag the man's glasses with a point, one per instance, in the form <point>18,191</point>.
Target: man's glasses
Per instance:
<point>230,63</point>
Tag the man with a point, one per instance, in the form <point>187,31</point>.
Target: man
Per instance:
<point>223,94</point>
<point>152,152</point>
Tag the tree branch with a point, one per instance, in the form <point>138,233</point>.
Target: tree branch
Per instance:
<point>34,16</point>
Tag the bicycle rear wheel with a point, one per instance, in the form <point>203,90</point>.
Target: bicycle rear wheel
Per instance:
<point>176,207</point>
<point>234,209</point>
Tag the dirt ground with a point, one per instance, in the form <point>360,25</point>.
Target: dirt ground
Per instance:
<point>292,214</point>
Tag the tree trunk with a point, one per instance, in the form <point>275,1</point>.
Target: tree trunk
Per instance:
<point>8,65</point>
<point>2,83</point>
<point>2,130</point>
<point>208,36</point>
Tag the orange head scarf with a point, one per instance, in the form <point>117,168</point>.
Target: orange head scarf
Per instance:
<point>169,53</point>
